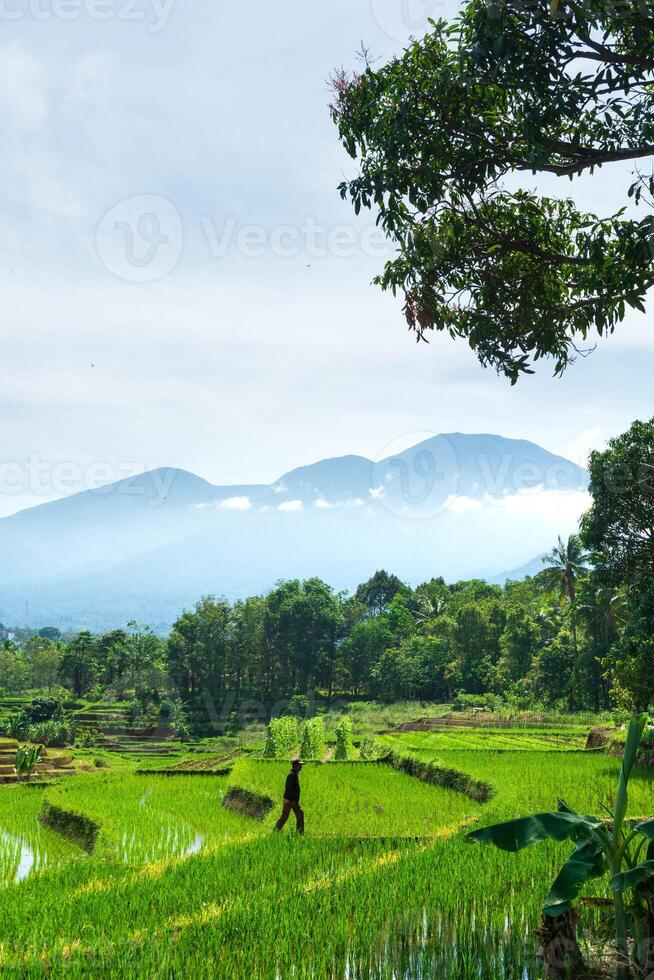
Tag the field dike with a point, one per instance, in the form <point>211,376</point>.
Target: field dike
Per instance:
<point>81,830</point>
<point>608,741</point>
<point>224,771</point>
<point>251,804</point>
<point>437,775</point>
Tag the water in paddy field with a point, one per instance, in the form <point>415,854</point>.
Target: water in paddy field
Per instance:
<point>161,838</point>
<point>437,947</point>
<point>20,857</point>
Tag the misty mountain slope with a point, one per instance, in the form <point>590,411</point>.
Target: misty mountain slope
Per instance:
<point>330,480</point>
<point>454,505</point>
<point>101,526</point>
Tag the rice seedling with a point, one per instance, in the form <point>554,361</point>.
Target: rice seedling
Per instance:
<point>384,883</point>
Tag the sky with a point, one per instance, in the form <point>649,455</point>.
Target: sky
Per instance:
<point>181,283</point>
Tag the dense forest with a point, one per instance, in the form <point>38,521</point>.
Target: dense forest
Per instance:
<point>579,635</point>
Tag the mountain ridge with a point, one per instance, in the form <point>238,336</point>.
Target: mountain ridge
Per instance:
<point>453,504</point>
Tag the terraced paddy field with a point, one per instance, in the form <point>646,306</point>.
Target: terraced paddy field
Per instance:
<point>495,739</point>
<point>382,885</point>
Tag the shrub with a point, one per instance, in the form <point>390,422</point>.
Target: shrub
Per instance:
<point>39,711</point>
<point>344,740</point>
<point>86,738</point>
<point>27,759</point>
<point>488,702</point>
<point>298,704</point>
<point>282,737</point>
<point>16,726</point>
<point>312,745</point>
<point>369,751</point>
<point>52,733</point>
<point>173,713</point>
<point>44,709</point>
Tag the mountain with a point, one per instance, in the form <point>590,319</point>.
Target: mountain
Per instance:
<point>454,505</point>
<point>528,570</point>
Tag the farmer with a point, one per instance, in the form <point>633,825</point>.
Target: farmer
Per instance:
<point>292,798</point>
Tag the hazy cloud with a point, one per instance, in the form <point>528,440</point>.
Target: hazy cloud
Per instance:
<point>291,506</point>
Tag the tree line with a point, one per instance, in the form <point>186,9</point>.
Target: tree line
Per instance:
<point>578,635</point>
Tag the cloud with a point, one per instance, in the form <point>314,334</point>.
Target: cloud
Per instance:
<point>462,505</point>
<point>377,492</point>
<point>291,506</point>
<point>322,504</point>
<point>539,504</point>
<point>235,503</point>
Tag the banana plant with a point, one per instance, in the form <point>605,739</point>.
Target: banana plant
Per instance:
<point>612,847</point>
<point>27,758</point>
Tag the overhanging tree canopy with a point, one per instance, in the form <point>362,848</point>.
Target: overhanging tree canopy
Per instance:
<point>510,88</point>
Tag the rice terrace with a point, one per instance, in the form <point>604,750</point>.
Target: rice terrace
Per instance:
<point>120,872</point>
<point>327,490</point>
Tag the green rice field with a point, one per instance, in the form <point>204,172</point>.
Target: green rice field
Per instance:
<point>382,885</point>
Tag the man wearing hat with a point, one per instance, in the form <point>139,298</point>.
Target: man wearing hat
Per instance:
<point>292,798</point>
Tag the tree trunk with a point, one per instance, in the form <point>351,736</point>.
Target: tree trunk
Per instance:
<point>560,949</point>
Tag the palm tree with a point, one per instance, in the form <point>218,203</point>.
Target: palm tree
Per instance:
<point>564,566</point>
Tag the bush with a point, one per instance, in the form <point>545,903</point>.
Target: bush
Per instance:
<point>16,726</point>
<point>298,704</point>
<point>369,751</point>
<point>52,733</point>
<point>86,738</point>
<point>487,702</point>
<point>173,714</point>
<point>282,737</point>
<point>27,758</point>
<point>44,709</point>
<point>344,740</point>
<point>312,745</point>
<point>39,711</point>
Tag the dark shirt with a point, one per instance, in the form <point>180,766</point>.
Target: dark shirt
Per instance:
<point>292,788</point>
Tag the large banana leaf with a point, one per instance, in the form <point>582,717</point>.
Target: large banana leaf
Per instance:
<point>514,835</point>
<point>646,829</point>
<point>630,879</point>
<point>27,757</point>
<point>586,862</point>
<point>637,726</point>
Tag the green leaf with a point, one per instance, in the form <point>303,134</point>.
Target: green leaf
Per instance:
<point>586,862</point>
<point>629,879</point>
<point>637,726</point>
<point>646,829</point>
<point>517,834</point>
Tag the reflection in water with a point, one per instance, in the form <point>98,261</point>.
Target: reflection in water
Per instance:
<point>20,856</point>
<point>425,947</point>
<point>160,838</point>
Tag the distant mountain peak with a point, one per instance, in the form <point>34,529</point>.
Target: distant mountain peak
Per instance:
<point>148,545</point>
